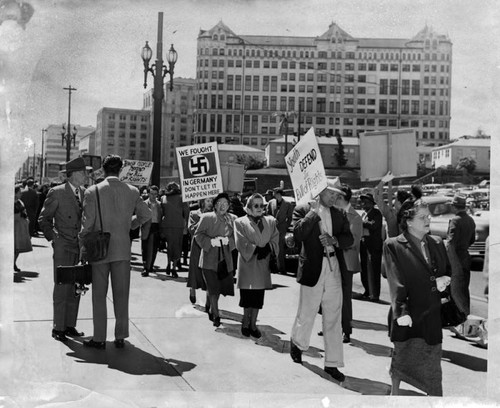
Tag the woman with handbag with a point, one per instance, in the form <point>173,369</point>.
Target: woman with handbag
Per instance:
<point>22,240</point>
<point>417,269</point>
<point>215,236</point>
<point>256,238</point>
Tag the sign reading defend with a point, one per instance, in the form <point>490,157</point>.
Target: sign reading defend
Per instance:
<point>305,167</point>
<point>136,172</point>
<point>199,171</point>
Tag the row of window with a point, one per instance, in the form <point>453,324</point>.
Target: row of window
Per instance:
<point>309,104</point>
<point>122,116</point>
<point>121,143</point>
<point>234,52</point>
<point>122,134</point>
<point>123,125</point>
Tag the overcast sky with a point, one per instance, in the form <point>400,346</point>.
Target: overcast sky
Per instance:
<point>95,46</point>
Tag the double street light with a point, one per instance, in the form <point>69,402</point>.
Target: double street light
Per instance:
<point>158,71</point>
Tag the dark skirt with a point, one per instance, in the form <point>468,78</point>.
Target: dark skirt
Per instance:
<point>215,286</point>
<point>253,298</point>
<point>195,275</point>
<point>419,364</point>
<point>22,239</point>
<point>173,237</point>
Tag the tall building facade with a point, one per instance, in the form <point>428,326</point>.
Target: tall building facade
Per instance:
<point>335,82</point>
<point>177,120</point>
<point>126,132</point>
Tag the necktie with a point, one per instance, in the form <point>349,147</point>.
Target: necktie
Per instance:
<point>422,244</point>
<point>260,225</point>
<point>77,195</point>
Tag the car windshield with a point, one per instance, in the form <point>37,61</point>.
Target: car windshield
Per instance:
<point>440,209</point>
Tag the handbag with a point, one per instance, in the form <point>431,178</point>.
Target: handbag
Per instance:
<point>451,315</point>
<point>74,274</point>
<point>222,272</point>
<point>95,244</point>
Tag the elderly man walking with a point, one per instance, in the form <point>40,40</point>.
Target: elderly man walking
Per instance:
<point>324,233</point>
<point>60,221</point>
<point>116,204</point>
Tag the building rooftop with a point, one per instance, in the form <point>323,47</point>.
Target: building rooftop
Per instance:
<point>322,140</point>
<point>238,148</point>
<point>466,142</point>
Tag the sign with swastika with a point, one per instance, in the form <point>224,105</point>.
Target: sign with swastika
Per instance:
<point>199,171</point>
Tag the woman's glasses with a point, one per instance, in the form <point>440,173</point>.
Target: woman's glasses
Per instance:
<point>258,206</point>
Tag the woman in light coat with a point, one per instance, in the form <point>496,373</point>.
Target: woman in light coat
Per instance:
<point>215,236</point>
<point>256,238</point>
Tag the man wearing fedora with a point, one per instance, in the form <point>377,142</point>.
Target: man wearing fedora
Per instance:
<point>60,222</point>
<point>461,235</point>
<point>324,233</point>
<point>281,210</point>
<point>371,248</point>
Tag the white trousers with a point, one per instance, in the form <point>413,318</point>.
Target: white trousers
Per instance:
<point>327,293</point>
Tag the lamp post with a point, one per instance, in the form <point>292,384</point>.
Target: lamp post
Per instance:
<point>42,159</point>
<point>66,134</point>
<point>159,71</point>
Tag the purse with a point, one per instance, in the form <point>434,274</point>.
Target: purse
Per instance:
<point>95,244</point>
<point>222,272</point>
<point>451,315</point>
<point>74,274</point>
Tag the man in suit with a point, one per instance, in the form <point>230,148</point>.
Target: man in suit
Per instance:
<point>117,204</point>
<point>461,235</point>
<point>150,231</point>
<point>29,197</point>
<point>60,222</point>
<point>351,257</point>
<point>282,211</point>
<point>324,233</point>
<point>371,248</point>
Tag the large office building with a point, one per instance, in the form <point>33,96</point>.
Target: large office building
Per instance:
<point>338,83</point>
<point>125,132</point>
<point>177,120</point>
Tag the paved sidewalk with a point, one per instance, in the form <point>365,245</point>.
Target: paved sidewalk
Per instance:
<point>175,357</point>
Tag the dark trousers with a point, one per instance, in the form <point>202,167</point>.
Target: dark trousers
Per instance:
<point>281,255</point>
<point>149,247</point>
<point>460,289</point>
<point>347,302</point>
<point>371,264</point>
<point>65,302</point>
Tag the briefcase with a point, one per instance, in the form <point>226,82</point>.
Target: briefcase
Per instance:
<point>74,274</point>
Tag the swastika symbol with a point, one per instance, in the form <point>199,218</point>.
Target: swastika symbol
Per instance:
<point>199,165</point>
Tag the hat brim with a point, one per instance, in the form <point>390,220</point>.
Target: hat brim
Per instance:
<point>363,196</point>
<point>335,190</point>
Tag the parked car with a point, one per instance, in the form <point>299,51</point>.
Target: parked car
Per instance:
<point>441,213</point>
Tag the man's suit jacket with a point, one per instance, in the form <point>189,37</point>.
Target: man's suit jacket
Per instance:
<point>146,227</point>
<point>351,254</point>
<point>307,231</point>
<point>413,290</point>
<point>30,199</point>
<point>118,202</point>
<point>373,241</point>
<point>60,218</point>
<point>461,235</point>
<point>283,215</point>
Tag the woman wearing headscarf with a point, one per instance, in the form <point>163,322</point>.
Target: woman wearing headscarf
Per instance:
<point>175,214</point>
<point>417,269</point>
<point>22,240</point>
<point>195,275</point>
<point>256,237</point>
<point>215,235</point>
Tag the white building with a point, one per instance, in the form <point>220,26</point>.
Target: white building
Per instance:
<point>475,148</point>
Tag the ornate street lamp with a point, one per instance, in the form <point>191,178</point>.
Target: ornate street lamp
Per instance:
<point>158,71</point>
<point>66,134</point>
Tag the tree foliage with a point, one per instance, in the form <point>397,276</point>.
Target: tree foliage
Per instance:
<point>250,162</point>
<point>340,153</point>
<point>467,163</point>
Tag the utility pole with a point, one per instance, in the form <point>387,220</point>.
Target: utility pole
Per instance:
<point>67,136</point>
<point>42,159</point>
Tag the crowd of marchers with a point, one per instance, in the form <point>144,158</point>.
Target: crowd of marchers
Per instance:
<point>234,242</point>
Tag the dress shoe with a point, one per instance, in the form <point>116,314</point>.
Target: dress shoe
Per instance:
<point>144,273</point>
<point>16,269</point>
<point>335,373</point>
<point>174,274</point>
<point>95,344</point>
<point>192,298</point>
<point>245,331</point>
<point>217,321</point>
<point>374,299</point>
<point>119,343</point>
<point>295,353</point>
<point>346,338</point>
<point>360,296</point>
<point>320,333</point>
<point>71,331</point>
<point>59,335</point>
<point>255,333</point>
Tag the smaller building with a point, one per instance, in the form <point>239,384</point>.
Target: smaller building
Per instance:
<point>228,153</point>
<point>478,149</point>
<point>275,151</point>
